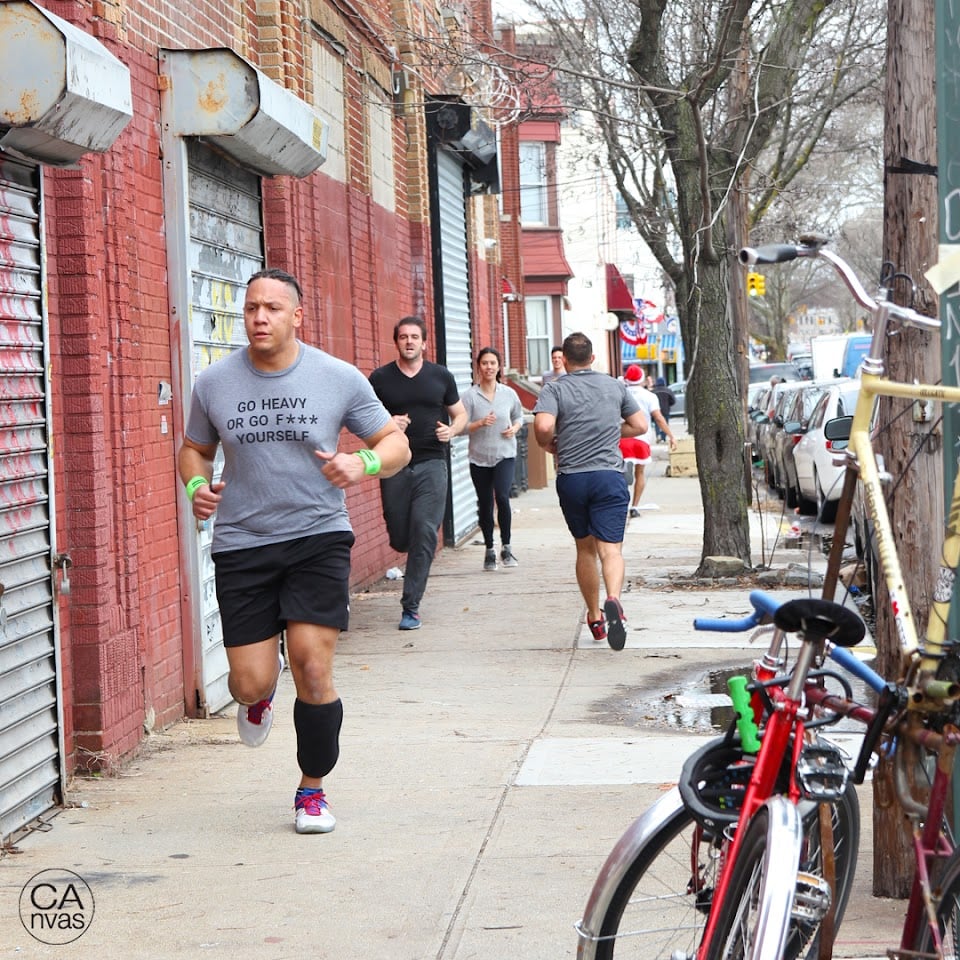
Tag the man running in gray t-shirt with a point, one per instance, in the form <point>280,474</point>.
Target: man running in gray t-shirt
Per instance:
<point>581,417</point>
<point>282,537</point>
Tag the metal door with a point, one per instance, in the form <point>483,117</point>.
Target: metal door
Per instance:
<point>225,248</point>
<point>454,309</point>
<point>30,736</point>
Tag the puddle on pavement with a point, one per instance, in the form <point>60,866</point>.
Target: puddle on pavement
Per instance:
<point>695,704</point>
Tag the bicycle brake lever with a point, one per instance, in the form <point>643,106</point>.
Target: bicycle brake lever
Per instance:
<point>892,698</point>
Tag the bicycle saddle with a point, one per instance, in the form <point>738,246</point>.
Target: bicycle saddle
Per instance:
<point>819,619</point>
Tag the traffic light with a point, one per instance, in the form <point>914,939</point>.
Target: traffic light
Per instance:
<point>756,284</point>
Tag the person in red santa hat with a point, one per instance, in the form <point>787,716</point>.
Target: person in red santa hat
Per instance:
<point>636,450</point>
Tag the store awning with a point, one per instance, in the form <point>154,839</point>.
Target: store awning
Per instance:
<point>62,93</point>
<point>619,297</point>
<point>217,95</point>
<point>544,260</point>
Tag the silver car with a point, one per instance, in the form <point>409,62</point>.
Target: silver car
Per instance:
<point>679,391</point>
<point>819,479</point>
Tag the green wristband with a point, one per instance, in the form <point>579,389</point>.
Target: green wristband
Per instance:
<point>193,485</point>
<point>371,461</point>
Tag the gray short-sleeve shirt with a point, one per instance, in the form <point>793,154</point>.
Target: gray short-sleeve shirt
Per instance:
<point>589,407</point>
<point>488,446</point>
<point>269,425</point>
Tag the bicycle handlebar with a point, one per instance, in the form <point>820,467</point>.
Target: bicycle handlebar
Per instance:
<point>764,607</point>
<point>856,667</point>
<point>783,252</point>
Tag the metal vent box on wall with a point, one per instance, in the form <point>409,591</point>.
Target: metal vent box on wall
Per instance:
<point>62,93</point>
<point>217,95</point>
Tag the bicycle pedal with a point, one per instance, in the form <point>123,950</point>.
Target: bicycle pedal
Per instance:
<point>812,900</point>
<point>821,772</point>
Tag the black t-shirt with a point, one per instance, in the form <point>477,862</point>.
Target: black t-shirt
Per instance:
<point>423,398</point>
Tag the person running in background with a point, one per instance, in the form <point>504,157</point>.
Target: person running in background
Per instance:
<point>666,398</point>
<point>637,450</point>
<point>425,403</point>
<point>557,368</point>
<point>494,417</point>
<point>282,537</point>
<point>581,418</point>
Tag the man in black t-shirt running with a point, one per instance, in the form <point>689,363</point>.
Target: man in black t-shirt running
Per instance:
<point>424,401</point>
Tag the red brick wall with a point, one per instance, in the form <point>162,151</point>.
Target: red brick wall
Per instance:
<point>115,480</point>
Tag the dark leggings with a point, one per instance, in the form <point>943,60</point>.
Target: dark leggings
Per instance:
<point>493,484</point>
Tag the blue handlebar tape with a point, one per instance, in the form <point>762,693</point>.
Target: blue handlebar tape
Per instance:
<point>746,725</point>
<point>857,667</point>
<point>764,607</point>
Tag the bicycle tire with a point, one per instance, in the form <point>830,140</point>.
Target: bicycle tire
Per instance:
<point>802,936</point>
<point>947,912</point>
<point>846,848</point>
<point>654,915</point>
<point>754,918</point>
<point>658,907</point>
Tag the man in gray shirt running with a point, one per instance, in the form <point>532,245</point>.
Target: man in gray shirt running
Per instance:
<point>581,417</point>
<point>282,537</point>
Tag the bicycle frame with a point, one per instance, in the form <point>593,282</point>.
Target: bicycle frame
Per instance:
<point>769,672</point>
<point>919,660</point>
<point>784,721</point>
<point>864,460</point>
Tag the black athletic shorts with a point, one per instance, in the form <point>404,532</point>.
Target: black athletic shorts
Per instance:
<point>307,580</point>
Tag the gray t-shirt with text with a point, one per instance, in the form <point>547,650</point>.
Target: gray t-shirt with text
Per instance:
<point>269,425</point>
<point>589,407</point>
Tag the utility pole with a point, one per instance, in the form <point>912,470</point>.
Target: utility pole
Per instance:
<point>910,246</point>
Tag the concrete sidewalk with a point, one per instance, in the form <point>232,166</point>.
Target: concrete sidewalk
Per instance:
<point>489,762</point>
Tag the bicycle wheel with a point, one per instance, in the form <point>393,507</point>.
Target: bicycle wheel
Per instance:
<point>845,815</point>
<point>788,913</point>
<point>754,919</point>
<point>660,905</point>
<point>948,914</point>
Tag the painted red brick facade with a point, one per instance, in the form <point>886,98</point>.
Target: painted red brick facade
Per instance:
<point>124,635</point>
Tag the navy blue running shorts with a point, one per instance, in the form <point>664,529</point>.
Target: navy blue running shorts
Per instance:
<point>306,580</point>
<point>594,504</point>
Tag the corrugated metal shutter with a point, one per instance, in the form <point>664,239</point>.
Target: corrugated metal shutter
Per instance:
<point>456,319</point>
<point>29,719</point>
<point>225,249</point>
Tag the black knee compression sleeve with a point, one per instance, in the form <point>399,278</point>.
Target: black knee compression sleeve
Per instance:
<point>318,736</point>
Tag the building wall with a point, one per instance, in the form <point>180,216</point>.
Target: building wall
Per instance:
<point>117,492</point>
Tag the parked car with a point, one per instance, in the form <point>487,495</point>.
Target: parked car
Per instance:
<point>764,371</point>
<point>792,420</point>
<point>819,479</point>
<point>767,427</point>
<point>756,414</point>
<point>679,391</point>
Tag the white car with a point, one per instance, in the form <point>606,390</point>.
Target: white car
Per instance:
<point>819,479</point>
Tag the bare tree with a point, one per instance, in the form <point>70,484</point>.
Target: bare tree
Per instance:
<point>706,110</point>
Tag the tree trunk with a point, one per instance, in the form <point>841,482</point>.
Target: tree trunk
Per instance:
<point>916,506</point>
<point>714,398</point>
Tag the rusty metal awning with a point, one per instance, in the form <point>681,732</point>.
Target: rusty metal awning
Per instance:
<point>217,95</point>
<point>62,93</point>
